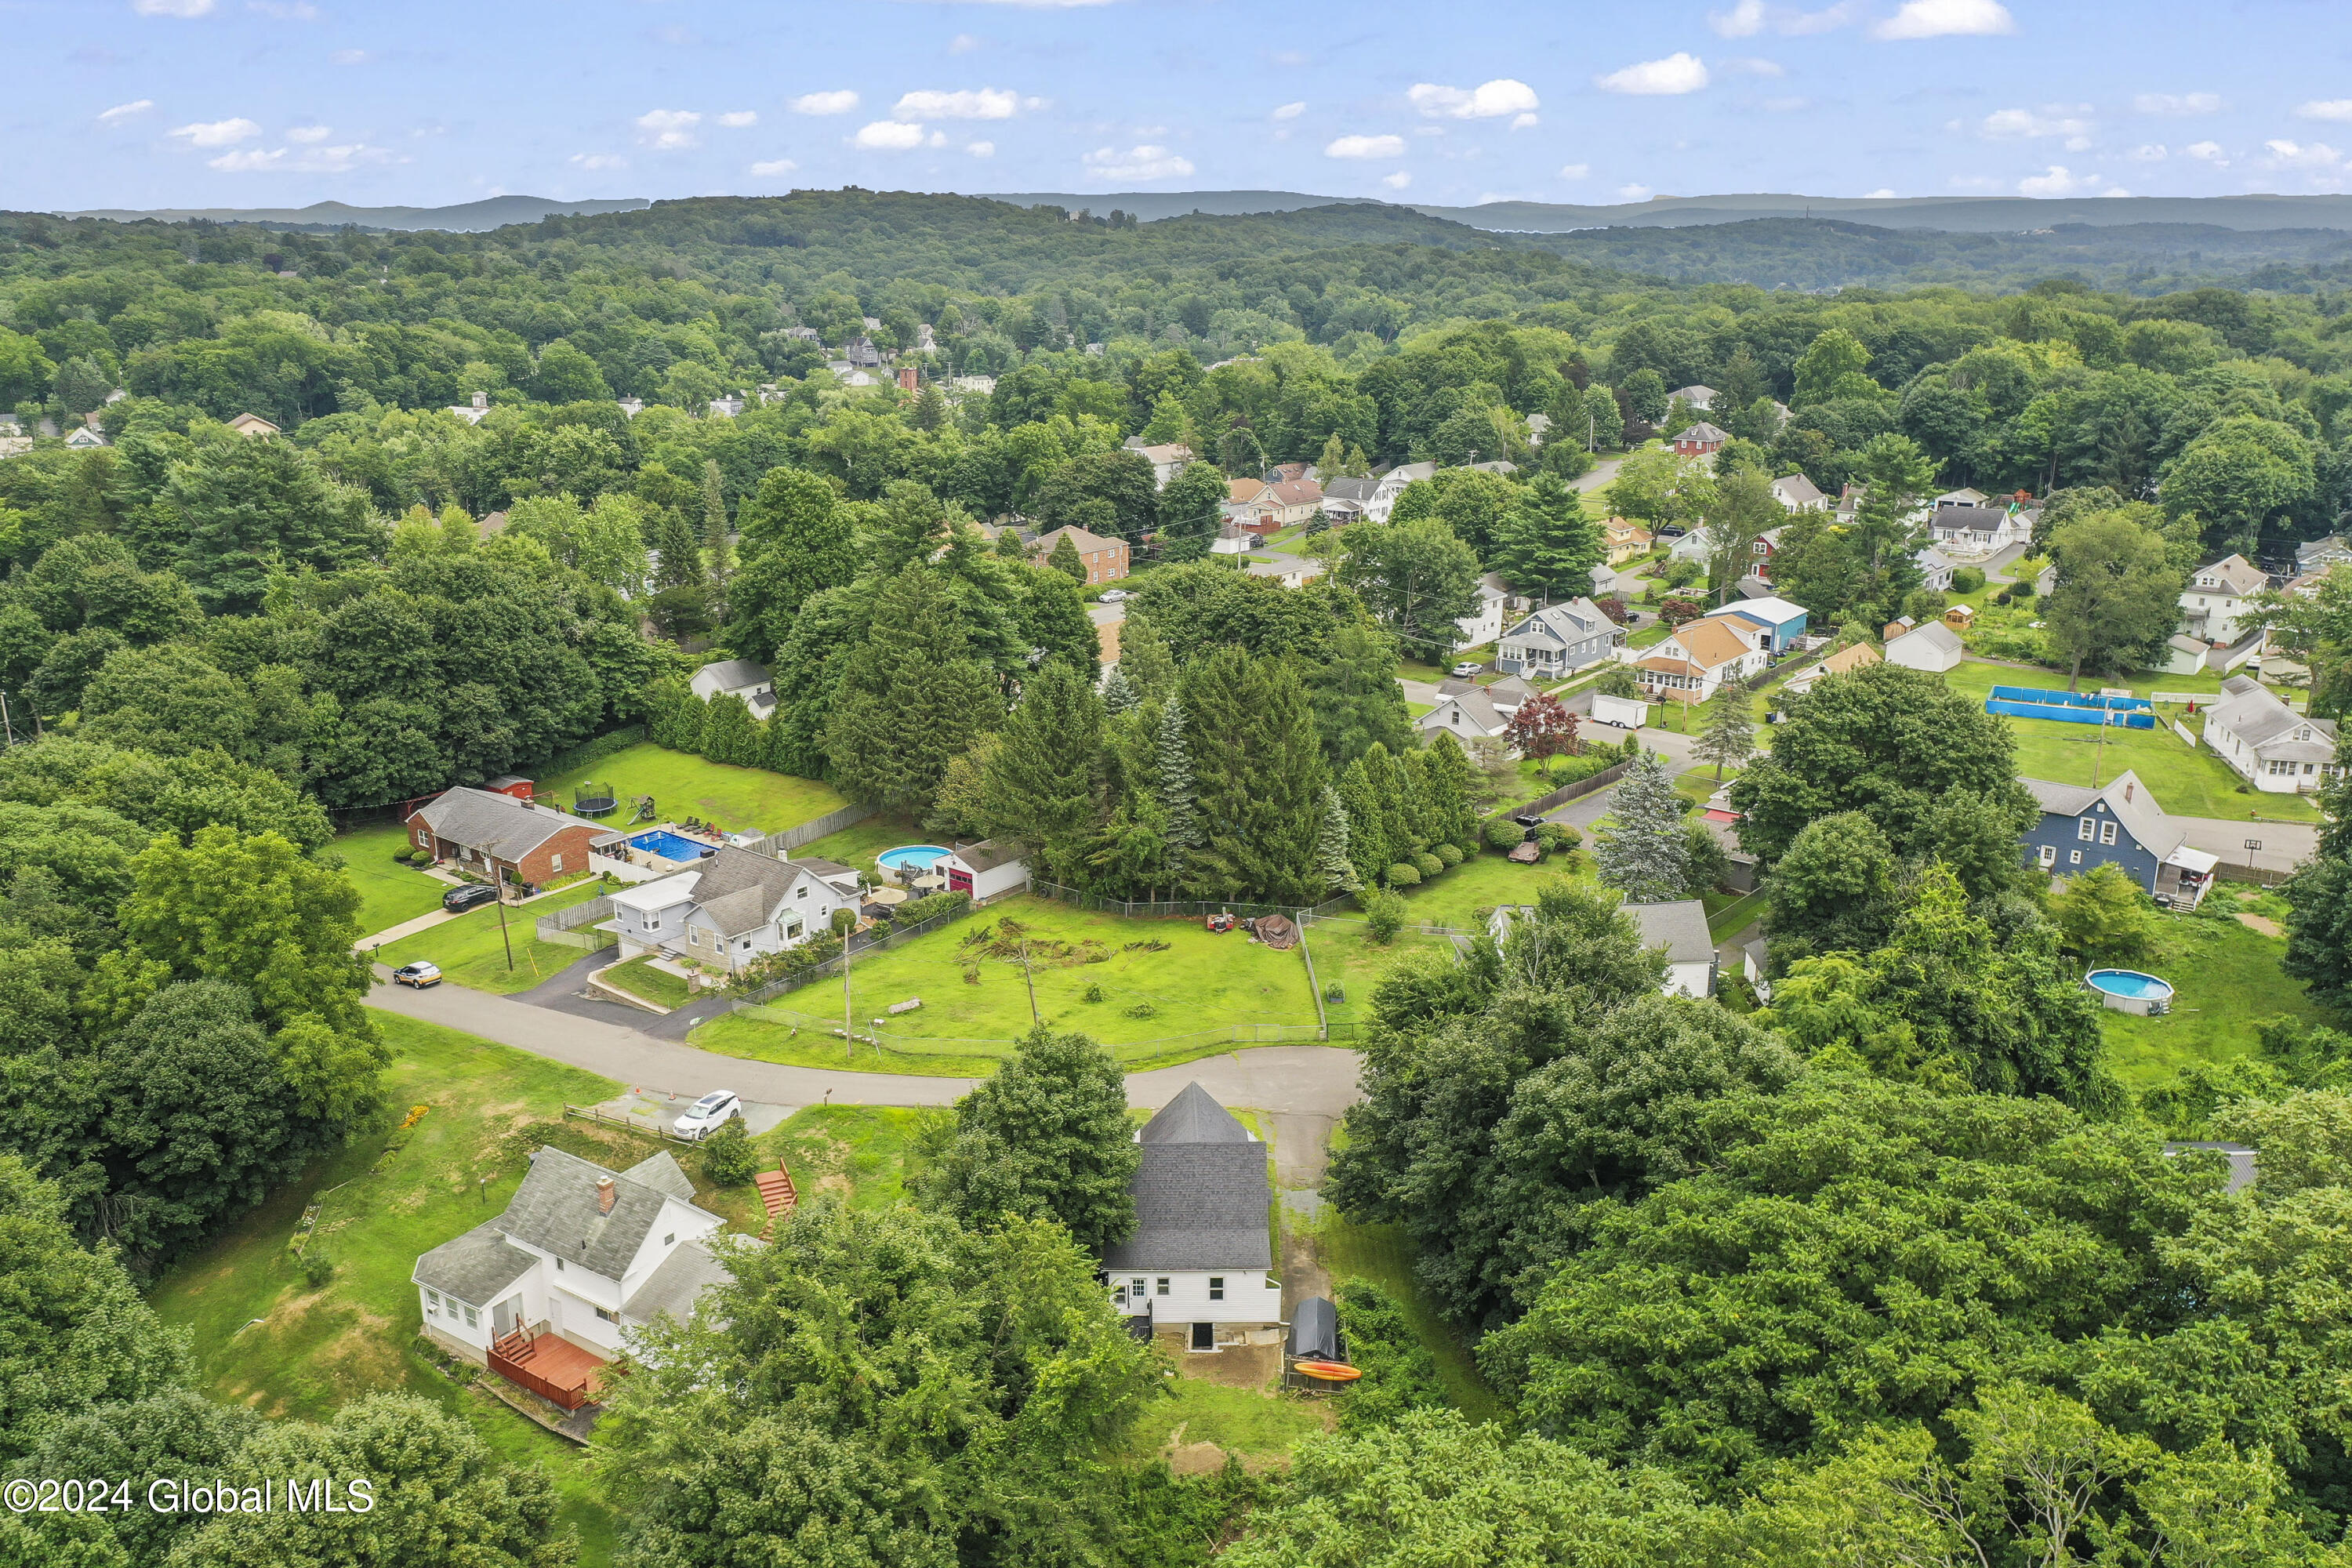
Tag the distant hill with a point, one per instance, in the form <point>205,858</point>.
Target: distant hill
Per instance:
<point>1152,205</point>
<point>495,212</point>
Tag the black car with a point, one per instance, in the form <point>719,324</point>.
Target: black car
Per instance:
<point>1527,819</point>
<point>459,899</point>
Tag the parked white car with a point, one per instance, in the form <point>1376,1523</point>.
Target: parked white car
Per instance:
<point>1115,597</point>
<point>704,1115</point>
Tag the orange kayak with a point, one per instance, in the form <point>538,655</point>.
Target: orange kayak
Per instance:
<point>1329,1370</point>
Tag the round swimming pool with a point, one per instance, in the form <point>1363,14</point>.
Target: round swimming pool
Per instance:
<point>911,858</point>
<point>2130,991</point>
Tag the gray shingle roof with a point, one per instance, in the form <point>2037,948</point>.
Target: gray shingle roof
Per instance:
<point>474,1266</point>
<point>1567,624</point>
<point>499,824</point>
<point>1680,928</point>
<point>1935,635</point>
<point>2128,801</point>
<point>741,891</point>
<point>2231,575</point>
<point>1343,487</point>
<point>663,1171</point>
<point>988,854</point>
<point>555,1211</point>
<point>691,1268</point>
<point>1200,1194</point>
<point>2258,719</point>
<point>734,674</point>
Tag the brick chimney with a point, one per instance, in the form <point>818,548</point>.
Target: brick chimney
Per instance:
<point>604,1194</point>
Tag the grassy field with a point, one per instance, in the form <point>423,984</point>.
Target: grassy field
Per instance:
<point>1261,1425</point>
<point>1381,1254</point>
<point>2226,980</point>
<point>389,893</point>
<point>267,1340</point>
<point>1201,981</point>
<point>856,845</point>
<point>1483,883</point>
<point>2185,781</point>
<point>638,977</point>
<point>868,1154</point>
<point>1346,956</point>
<point>682,784</point>
<point>471,951</point>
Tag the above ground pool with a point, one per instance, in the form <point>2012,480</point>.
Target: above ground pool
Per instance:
<point>2129,991</point>
<point>911,858</point>
<point>669,846</point>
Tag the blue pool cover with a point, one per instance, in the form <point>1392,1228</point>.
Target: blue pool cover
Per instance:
<point>2070,699</point>
<point>2070,706</point>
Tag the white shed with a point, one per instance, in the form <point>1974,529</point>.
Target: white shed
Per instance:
<point>987,870</point>
<point>1934,647</point>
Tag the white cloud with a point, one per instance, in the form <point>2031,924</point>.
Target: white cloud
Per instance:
<point>888,135</point>
<point>1397,181</point>
<point>172,8</point>
<point>1575,171</point>
<point>773,167</point>
<point>1488,100</point>
<point>981,149</point>
<point>122,111</point>
<point>1289,112</point>
<point>962,43</point>
<point>838,102</point>
<point>218,132</point>
<point>598,161</point>
<point>2052,120</point>
<point>1366,147</point>
<point>1146,163</point>
<point>2207,152</point>
<point>737,118</point>
<point>936,139</point>
<point>336,160</point>
<point>1880,195</point>
<point>2150,153</point>
<point>983,103</point>
<point>1524,122</point>
<point>668,130</point>
<point>349,56</point>
<point>252,160</point>
<point>2178,103</point>
<point>1946,19</point>
<point>1744,20</point>
<point>1677,73</point>
<point>2326,109</point>
<point>2055,180</point>
<point>1633,193</point>
<point>306,135</point>
<point>2286,154</point>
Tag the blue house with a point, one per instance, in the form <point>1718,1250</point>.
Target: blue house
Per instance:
<point>1784,620</point>
<point>2119,825</point>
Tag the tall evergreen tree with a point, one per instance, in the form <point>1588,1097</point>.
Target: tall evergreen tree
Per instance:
<point>1259,766</point>
<point>1357,699</point>
<point>910,697</point>
<point>731,734</point>
<point>1145,660</point>
<point>1331,843</point>
<point>1368,839</point>
<point>1054,618</point>
<point>797,542</point>
<point>1065,558</point>
<point>1641,845</point>
<point>1118,697</point>
<point>1049,1137</point>
<point>1178,795</point>
<point>1730,737</point>
<point>672,538</point>
<point>719,555</point>
<point>1546,542</point>
<point>1450,780</point>
<point>1040,784</point>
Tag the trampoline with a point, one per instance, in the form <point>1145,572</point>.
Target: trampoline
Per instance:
<point>595,799</point>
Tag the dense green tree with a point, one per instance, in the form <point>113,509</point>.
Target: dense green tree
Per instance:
<point>1547,543</point>
<point>2319,929</point>
<point>2117,596</point>
<point>1054,618</point>
<point>1187,510</point>
<point>244,506</point>
<point>1832,367</point>
<point>729,734</point>
<point>1047,1137</point>
<point>1641,848</point>
<point>1258,764</point>
<point>1834,889</point>
<point>1358,703</point>
<point>564,375</point>
<point>1417,578</point>
<point>1040,788</point>
<point>910,698</point>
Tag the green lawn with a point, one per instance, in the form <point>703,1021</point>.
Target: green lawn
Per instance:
<point>1481,882</point>
<point>2185,781</point>
<point>265,1340</point>
<point>868,1154</point>
<point>1202,981</point>
<point>1257,1424</point>
<point>1346,956</point>
<point>683,784</point>
<point>1728,914</point>
<point>638,977</point>
<point>857,844</point>
<point>2226,980</point>
<point>389,893</point>
<point>1382,1254</point>
<point>1700,783</point>
<point>471,951</point>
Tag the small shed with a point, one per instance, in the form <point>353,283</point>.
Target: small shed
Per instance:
<point>514,784</point>
<point>1315,1331</point>
<point>986,870</point>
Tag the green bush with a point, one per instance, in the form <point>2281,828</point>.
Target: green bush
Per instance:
<point>1504,835</point>
<point>2021,589</point>
<point>1383,915</point>
<point>316,1268</point>
<point>1558,837</point>
<point>402,856</point>
<point>1429,864</point>
<point>923,908</point>
<point>727,1157</point>
<point>1403,875</point>
<point>1094,994</point>
<point>1967,579</point>
<point>1446,853</point>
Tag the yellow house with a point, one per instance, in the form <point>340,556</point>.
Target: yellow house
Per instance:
<point>1625,540</point>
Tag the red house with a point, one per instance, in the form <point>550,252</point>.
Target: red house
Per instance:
<point>503,837</point>
<point>1700,440</point>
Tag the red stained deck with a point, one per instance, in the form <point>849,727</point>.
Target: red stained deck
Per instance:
<point>554,1369</point>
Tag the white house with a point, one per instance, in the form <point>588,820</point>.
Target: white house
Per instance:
<point>733,908</point>
<point>740,678</point>
<point>1197,1267</point>
<point>1485,624</point>
<point>1680,928</point>
<point>1554,643</point>
<point>1978,527</point>
<point>2273,747</point>
<point>1391,485</point>
<point>1797,493</point>
<point>581,1255</point>
<point>1466,716</point>
<point>1697,399</point>
<point>987,870</point>
<point>2214,604</point>
<point>474,411</point>
<point>1934,645</point>
<point>1700,657</point>
<point>2318,555</point>
<point>1936,569</point>
<point>1167,461</point>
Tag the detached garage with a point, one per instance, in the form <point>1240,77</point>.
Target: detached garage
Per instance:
<point>987,870</point>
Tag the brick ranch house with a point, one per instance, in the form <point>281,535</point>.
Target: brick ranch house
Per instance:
<point>504,838</point>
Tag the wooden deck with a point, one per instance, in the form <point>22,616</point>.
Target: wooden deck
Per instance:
<point>554,1369</point>
<point>777,1194</point>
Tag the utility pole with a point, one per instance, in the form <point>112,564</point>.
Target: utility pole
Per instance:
<point>1031,979</point>
<point>849,1020</point>
<point>5,723</point>
<point>2099,752</point>
<point>497,886</point>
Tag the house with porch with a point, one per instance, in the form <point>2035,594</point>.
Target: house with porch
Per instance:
<point>2121,825</point>
<point>1554,643</point>
<point>1689,665</point>
<point>1978,527</point>
<point>504,838</point>
<point>1264,506</point>
<point>1797,493</point>
<point>2271,746</point>
<point>1391,485</point>
<point>2216,601</point>
<point>1197,1270</point>
<point>546,1294</point>
<point>732,909</point>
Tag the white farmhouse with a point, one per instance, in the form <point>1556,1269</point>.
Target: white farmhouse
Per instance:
<point>2214,604</point>
<point>732,908</point>
<point>543,1294</point>
<point>740,678</point>
<point>1196,1266</point>
<point>1391,485</point>
<point>2273,747</point>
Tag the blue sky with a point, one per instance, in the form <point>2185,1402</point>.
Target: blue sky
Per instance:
<point>283,102</point>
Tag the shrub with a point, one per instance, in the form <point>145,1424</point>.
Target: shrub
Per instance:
<point>2001,596</point>
<point>1967,579</point>
<point>1143,1010</point>
<point>727,1157</point>
<point>1094,994</point>
<point>1504,835</point>
<point>923,908</point>
<point>1447,854</point>
<point>1384,916</point>
<point>1335,993</point>
<point>1403,876</point>
<point>402,855</point>
<point>1558,837</point>
<point>316,1268</point>
<point>1429,864</point>
<point>2021,589</point>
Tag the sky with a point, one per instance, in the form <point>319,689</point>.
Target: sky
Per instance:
<point>144,103</point>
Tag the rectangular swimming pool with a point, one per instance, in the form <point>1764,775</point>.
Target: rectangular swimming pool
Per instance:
<point>669,846</point>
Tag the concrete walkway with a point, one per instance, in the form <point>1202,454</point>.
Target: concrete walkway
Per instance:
<point>405,928</point>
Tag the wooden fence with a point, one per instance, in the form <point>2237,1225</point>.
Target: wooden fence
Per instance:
<point>650,1126</point>
<point>575,927</point>
<point>1588,784</point>
<point>1184,908</point>
<point>780,845</point>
